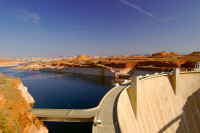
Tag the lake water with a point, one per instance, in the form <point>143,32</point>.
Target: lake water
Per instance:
<point>63,91</point>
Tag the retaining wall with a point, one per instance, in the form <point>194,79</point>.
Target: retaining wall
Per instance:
<point>161,103</point>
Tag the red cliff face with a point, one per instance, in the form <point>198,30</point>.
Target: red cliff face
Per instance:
<point>14,116</point>
<point>122,65</point>
<point>162,61</point>
<point>16,82</point>
<point>2,101</point>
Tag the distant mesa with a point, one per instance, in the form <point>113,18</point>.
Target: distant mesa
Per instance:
<point>197,53</point>
<point>7,62</point>
<point>164,54</point>
<point>82,57</point>
<point>173,53</point>
<point>116,66</point>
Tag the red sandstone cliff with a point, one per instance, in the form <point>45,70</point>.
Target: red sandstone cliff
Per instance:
<point>14,103</point>
<point>116,66</point>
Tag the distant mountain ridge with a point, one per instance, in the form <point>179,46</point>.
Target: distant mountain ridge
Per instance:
<point>51,58</point>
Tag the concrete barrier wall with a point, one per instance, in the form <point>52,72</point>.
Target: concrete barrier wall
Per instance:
<point>188,83</point>
<point>159,108</point>
<point>126,118</point>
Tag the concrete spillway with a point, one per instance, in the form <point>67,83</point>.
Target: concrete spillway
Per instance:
<point>162,103</point>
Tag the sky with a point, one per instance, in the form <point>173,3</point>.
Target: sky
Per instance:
<point>98,27</point>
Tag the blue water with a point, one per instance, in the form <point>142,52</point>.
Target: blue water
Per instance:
<point>63,91</point>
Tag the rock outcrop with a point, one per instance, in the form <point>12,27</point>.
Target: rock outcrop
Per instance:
<point>115,66</point>
<point>197,53</point>
<point>82,57</point>
<point>14,116</point>
<point>2,101</point>
<point>17,83</point>
<point>164,54</point>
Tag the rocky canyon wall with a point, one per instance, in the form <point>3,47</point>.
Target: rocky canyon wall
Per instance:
<point>14,103</point>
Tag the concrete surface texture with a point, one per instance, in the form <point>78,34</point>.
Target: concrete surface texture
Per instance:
<point>163,103</point>
<point>155,103</point>
<point>75,115</point>
<point>107,111</point>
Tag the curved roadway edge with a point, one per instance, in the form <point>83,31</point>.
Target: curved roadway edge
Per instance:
<point>66,115</point>
<point>104,115</point>
<point>107,111</point>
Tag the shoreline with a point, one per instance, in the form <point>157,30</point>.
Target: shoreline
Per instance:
<point>11,64</point>
<point>107,72</point>
<point>15,100</point>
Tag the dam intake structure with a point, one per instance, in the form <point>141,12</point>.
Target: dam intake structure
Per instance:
<point>157,103</point>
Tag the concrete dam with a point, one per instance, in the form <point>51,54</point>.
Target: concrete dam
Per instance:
<point>157,103</point>
<point>161,103</point>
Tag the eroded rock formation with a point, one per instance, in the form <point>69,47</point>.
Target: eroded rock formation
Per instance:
<point>117,66</point>
<point>82,57</point>
<point>14,103</point>
<point>164,54</point>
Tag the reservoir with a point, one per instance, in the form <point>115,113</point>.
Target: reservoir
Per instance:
<point>64,91</point>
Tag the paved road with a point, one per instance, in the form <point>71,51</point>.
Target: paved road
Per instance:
<point>78,115</point>
<point>107,111</point>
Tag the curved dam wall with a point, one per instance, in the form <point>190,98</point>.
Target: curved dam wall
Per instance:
<point>161,103</point>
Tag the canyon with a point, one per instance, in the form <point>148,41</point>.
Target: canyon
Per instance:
<point>122,66</point>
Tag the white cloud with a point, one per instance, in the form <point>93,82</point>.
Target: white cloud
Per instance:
<point>25,15</point>
<point>136,7</point>
<point>166,20</point>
